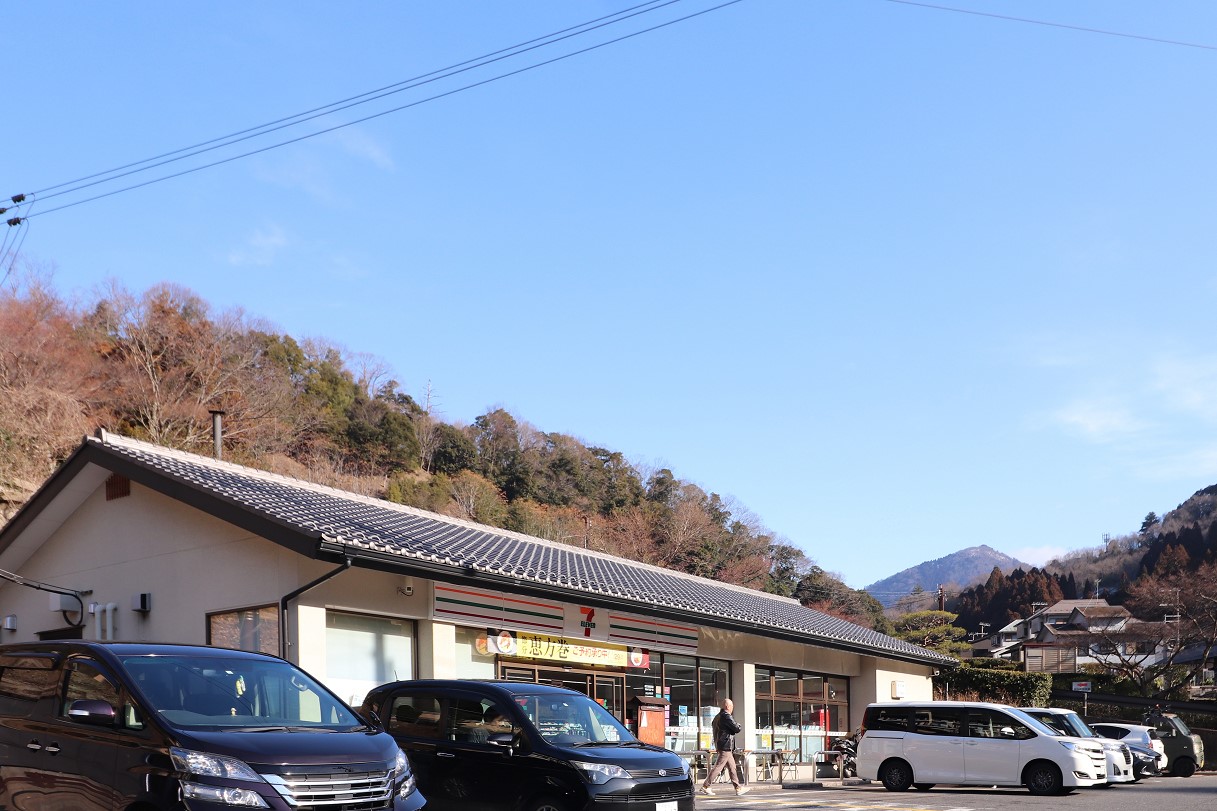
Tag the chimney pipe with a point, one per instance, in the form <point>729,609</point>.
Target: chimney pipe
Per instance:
<point>217,432</point>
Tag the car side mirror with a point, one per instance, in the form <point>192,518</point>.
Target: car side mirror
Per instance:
<point>92,711</point>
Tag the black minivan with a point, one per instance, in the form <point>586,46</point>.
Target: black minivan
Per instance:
<point>109,726</point>
<point>518,746</point>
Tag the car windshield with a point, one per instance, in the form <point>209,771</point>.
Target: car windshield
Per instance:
<point>1067,724</point>
<point>218,692</point>
<point>1036,724</point>
<point>572,720</point>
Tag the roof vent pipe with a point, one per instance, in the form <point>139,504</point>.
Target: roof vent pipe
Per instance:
<point>217,432</point>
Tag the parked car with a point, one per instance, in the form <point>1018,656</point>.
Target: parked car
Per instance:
<point>920,744</point>
<point>1137,734</point>
<point>1070,724</point>
<point>1184,748</point>
<point>176,727</point>
<point>1144,761</point>
<point>483,745</point>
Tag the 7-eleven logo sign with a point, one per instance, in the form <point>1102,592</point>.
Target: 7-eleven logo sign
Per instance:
<point>585,622</point>
<point>588,621</point>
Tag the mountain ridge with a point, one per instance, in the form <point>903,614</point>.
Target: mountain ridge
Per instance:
<point>957,570</point>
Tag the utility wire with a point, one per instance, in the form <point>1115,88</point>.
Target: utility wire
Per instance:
<point>391,110</point>
<point>353,101</point>
<point>1082,28</point>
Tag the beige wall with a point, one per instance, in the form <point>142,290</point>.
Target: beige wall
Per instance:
<point>189,562</point>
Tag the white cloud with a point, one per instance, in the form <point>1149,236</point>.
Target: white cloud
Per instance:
<point>1097,421</point>
<point>1197,464</point>
<point>261,248</point>
<point>1038,555</point>
<point>361,145</point>
<point>1188,384</point>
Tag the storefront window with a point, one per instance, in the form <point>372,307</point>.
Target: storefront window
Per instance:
<point>799,712</point>
<point>363,651</point>
<point>473,660</point>
<point>712,676</point>
<point>251,629</point>
<point>680,685</point>
<point>785,683</point>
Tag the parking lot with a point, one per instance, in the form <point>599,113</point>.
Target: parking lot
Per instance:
<point>1166,793</point>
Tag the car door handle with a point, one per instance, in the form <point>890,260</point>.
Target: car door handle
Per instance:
<point>33,746</point>
<point>445,754</point>
<point>53,748</point>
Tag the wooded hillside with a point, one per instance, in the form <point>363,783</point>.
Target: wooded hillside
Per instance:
<point>153,365</point>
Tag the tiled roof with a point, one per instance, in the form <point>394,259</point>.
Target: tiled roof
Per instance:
<point>394,531</point>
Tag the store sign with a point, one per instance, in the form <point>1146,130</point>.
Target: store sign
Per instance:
<point>525,645</point>
<point>586,622</point>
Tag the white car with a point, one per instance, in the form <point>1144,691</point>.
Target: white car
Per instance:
<point>1069,723</point>
<point>1133,733</point>
<point>917,744</point>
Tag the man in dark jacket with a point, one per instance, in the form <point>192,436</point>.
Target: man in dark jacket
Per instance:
<point>725,727</point>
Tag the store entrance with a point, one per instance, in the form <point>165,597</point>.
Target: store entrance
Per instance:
<point>606,688</point>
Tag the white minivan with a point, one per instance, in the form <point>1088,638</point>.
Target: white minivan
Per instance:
<point>923,743</point>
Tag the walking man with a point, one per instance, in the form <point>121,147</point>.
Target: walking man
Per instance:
<point>725,727</point>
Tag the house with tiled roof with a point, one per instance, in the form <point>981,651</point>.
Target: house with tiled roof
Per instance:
<point>133,541</point>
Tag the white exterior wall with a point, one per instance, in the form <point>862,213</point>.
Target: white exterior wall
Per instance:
<point>190,563</point>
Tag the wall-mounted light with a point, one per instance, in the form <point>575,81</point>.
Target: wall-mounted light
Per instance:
<point>142,602</point>
<point>10,622</point>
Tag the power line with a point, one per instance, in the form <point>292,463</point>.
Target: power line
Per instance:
<point>1082,28</point>
<point>373,116</point>
<point>352,101</point>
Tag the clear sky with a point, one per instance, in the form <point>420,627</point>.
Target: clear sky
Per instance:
<point>899,279</point>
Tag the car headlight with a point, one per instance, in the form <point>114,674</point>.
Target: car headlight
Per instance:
<point>599,773</point>
<point>401,768</point>
<point>1073,746</point>
<point>205,764</point>
<point>223,795</point>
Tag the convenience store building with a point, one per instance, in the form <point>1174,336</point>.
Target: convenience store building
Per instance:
<point>133,541</point>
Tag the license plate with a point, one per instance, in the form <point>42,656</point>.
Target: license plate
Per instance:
<point>668,806</point>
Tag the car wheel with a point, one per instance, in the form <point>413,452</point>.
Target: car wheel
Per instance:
<point>896,775</point>
<point>1043,779</point>
<point>1184,767</point>
<point>923,786</point>
<point>545,804</point>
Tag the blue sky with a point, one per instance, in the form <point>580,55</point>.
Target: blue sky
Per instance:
<point>900,280</point>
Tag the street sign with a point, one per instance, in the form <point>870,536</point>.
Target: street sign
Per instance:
<point>1081,687</point>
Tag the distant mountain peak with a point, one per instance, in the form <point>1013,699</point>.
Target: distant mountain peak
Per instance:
<point>958,570</point>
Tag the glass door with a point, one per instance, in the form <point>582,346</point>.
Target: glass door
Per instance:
<point>610,692</point>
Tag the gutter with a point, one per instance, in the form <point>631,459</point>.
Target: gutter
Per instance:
<point>283,601</point>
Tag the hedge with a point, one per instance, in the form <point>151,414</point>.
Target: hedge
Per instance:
<point>999,686</point>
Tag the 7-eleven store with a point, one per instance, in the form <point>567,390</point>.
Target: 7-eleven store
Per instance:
<point>143,543</point>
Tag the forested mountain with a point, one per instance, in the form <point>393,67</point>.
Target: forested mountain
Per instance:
<point>153,365</point>
<point>915,588</point>
<point>1181,545</point>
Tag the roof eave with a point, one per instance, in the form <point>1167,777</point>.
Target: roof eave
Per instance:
<point>336,550</point>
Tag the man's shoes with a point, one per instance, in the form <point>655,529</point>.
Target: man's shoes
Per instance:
<point>706,790</point>
<point>741,790</point>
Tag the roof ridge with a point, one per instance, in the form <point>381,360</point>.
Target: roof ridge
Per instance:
<point>108,438</point>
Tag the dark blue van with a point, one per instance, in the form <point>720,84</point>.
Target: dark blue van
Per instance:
<point>110,726</point>
<point>517,746</point>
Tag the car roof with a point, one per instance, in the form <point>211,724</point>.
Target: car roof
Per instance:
<point>122,649</point>
<point>500,687</point>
